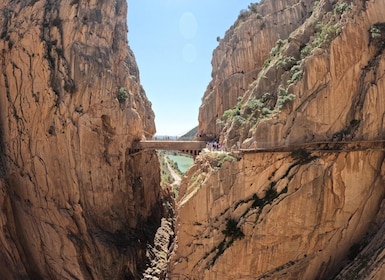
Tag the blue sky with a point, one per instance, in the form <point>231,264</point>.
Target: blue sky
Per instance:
<point>173,41</point>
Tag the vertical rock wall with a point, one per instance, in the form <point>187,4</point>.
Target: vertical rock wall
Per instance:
<point>297,214</point>
<point>329,66</point>
<point>293,218</point>
<point>74,203</point>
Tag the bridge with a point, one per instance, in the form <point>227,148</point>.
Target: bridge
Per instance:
<point>187,147</point>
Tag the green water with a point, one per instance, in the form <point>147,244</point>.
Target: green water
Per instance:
<point>184,162</point>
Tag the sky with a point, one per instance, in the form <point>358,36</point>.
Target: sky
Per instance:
<point>173,41</point>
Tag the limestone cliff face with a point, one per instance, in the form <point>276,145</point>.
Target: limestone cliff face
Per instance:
<point>299,220</point>
<point>241,53</point>
<point>300,214</point>
<point>318,83</point>
<point>74,203</point>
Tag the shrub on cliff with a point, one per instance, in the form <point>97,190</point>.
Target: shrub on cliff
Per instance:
<point>325,34</point>
<point>253,7</point>
<point>277,48</point>
<point>377,34</point>
<point>244,14</point>
<point>231,113</point>
<point>122,95</point>
<point>284,97</point>
<point>341,8</point>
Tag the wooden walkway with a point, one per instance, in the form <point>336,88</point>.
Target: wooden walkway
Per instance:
<point>195,147</point>
<point>325,146</point>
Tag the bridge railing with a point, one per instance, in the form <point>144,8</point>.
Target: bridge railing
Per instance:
<point>164,138</point>
<point>189,147</point>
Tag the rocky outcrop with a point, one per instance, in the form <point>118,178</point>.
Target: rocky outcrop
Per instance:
<point>314,212</point>
<point>74,203</point>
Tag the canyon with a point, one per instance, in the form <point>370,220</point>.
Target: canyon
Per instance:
<point>296,97</point>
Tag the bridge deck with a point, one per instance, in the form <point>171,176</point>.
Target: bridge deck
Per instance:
<point>190,147</point>
<point>171,145</point>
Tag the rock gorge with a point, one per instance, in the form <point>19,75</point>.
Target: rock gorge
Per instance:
<point>76,204</point>
<point>290,73</point>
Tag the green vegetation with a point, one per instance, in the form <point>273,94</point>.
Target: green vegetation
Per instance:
<point>266,111</point>
<point>263,107</point>
<point>375,31</point>
<point>234,114</point>
<point>296,74</point>
<point>253,109</point>
<point>258,107</point>
<point>315,5</point>
<point>217,159</point>
<point>284,97</point>
<point>341,8</point>
<point>274,52</point>
<point>243,14</point>
<point>377,34</point>
<point>277,48</point>
<point>266,63</point>
<point>231,113</point>
<point>253,7</point>
<point>122,94</point>
<point>179,163</point>
<point>286,62</point>
<point>223,157</point>
<point>306,50</point>
<point>165,174</point>
<point>254,104</point>
<point>325,34</point>
<point>174,165</point>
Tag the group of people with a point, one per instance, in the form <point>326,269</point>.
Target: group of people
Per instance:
<point>215,146</point>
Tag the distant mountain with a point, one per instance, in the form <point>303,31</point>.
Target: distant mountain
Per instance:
<point>189,135</point>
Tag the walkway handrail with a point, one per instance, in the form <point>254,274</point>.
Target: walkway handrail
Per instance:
<point>310,145</point>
